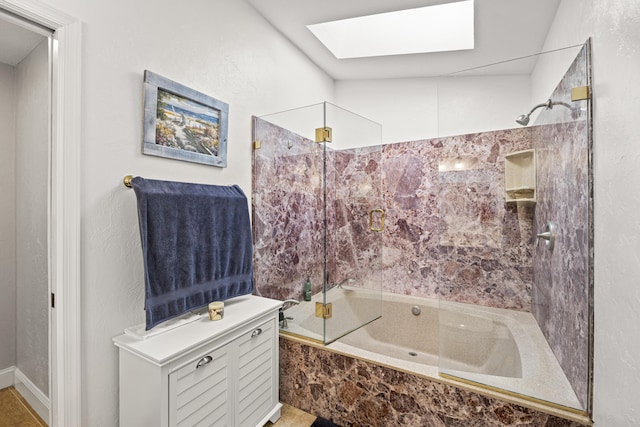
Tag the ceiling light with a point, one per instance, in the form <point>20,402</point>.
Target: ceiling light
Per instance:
<point>438,28</point>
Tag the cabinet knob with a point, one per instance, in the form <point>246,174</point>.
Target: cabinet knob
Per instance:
<point>256,332</point>
<point>205,360</point>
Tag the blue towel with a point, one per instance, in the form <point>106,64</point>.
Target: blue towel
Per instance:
<point>196,244</point>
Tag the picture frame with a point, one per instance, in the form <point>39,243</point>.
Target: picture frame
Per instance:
<point>183,124</point>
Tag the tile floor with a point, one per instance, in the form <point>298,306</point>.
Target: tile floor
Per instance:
<point>15,411</point>
<point>292,417</point>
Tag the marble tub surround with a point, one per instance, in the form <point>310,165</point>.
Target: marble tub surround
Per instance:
<point>562,279</point>
<point>448,232</point>
<point>498,348</point>
<point>356,393</point>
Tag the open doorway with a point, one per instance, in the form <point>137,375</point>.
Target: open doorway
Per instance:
<point>43,167</point>
<point>25,88</point>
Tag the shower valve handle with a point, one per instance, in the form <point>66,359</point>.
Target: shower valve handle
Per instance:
<point>549,235</point>
<point>546,235</point>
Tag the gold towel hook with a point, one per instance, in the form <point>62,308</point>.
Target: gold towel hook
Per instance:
<point>127,181</point>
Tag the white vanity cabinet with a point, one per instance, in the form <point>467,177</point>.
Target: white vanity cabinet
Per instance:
<point>205,373</point>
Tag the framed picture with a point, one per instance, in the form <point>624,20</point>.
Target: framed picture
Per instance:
<point>182,123</point>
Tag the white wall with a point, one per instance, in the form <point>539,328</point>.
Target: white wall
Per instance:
<point>482,103</point>
<point>413,109</point>
<point>615,28</point>
<point>7,219</point>
<point>218,47</point>
<point>407,109</point>
<point>32,179</point>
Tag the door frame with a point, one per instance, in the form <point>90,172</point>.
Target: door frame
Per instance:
<point>65,361</point>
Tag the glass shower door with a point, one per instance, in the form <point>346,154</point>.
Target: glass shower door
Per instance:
<point>354,221</point>
<point>515,310</point>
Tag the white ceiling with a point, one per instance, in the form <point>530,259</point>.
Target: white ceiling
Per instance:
<point>16,42</point>
<point>504,29</point>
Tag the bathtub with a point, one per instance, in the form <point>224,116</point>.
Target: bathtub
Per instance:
<point>495,348</point>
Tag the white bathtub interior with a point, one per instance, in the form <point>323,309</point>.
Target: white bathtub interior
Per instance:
<point>502,349</point>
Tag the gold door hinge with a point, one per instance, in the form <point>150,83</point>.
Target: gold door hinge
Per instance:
<point>324,311</point>
<point>580,93</point>
<point>323,134</point>
<point>257,145</point>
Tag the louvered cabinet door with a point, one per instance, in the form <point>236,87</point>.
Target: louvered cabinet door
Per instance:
<point>199,393</point>
<point>204,373</point>
<point>257,374</point>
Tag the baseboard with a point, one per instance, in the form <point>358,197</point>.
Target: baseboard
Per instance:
<point>273,415</point>
<point>7,377</point>
<point>32,394</point>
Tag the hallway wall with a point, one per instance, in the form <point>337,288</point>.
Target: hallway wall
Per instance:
<point>32,186</point>
<point>7,219</point>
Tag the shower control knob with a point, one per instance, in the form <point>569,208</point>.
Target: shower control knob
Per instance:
<point>546,235</point>
<point>549,235</point>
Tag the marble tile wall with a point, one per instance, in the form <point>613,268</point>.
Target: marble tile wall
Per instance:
<point>353,191</point>
<point>354,393</point>
<point>448,232</point>
<point>560,300</point>
<point>288,213</point>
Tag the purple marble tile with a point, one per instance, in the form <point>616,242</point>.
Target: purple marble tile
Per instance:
<point>450,234</point>
<point>447,233</point>
<point>355,393</point>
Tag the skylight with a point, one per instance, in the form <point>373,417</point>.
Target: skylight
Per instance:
<point>438,28</point>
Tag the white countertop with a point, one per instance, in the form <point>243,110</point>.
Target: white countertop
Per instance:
<point>164,347</point>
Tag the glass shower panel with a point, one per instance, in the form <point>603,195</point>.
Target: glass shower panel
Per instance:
<point>515,314</point>
<point>355,221</point>
<point>288,215</point>
<point>562,273</point>
<point>318,218</point>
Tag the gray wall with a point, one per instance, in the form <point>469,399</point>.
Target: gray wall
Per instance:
<point>7,220</point>
<point>32,171</point>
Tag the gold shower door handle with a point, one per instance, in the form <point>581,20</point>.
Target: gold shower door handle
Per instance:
<point>371,227</point>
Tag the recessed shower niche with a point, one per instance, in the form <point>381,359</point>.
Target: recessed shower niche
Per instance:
<point>520,176</point>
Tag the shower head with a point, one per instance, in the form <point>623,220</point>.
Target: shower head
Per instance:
<point>523,119</point>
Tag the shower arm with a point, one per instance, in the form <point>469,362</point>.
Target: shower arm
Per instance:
<point>549,104</point>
